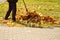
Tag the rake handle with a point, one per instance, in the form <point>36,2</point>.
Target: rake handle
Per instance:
<point>25,6</point>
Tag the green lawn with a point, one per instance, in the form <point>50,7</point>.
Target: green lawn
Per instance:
<point>46,7</point>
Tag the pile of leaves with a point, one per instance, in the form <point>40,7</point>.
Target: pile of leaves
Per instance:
<point>36,17</point>
<point>29,19</point>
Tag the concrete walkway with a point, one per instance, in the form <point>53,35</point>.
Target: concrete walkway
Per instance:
<point>17,33</point>
<point>2,1</point>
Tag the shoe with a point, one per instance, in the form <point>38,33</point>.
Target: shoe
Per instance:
<point>13,20</point>
<point>6,18</point>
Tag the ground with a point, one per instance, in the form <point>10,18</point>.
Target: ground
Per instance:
<point>46,7</point>
<point>24,33</point>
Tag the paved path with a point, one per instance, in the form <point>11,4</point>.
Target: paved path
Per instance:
<point>2,1</point>
<point>17,33</point>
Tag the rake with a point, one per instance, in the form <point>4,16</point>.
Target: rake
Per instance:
<point>25,6</point>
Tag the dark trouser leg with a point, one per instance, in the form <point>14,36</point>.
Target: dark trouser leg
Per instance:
<point>9,10</point>
<point>14,12</point>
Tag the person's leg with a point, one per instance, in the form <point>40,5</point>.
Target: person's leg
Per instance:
<point>14,12</point>
<point>8,12</point>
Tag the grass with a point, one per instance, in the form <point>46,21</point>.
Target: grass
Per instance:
<point>46,7</point>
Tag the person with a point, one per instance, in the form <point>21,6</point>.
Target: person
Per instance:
<point>12,7</point>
